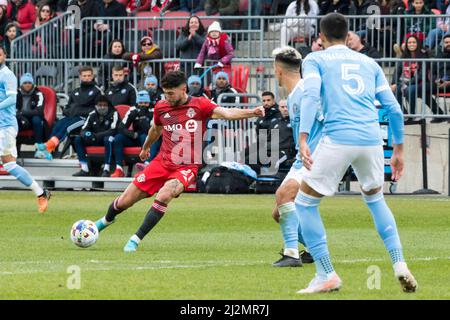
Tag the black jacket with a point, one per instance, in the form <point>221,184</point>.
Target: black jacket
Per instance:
<point>123,93</point>
<point>140,118</point>
<point>269,122</point>
<point>228,89</point>
<point>441,70</point>
<point>36,104</point>
<point>371,52</point>
<point>82,100</point>
<point>327,6</point>
<point>287,143</point>
<point>100,126</point>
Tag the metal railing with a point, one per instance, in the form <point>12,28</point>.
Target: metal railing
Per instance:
<point>53,52</point>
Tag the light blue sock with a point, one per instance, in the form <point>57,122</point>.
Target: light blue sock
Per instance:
<point>385,224</point>
<point>313,232</point>
<point>20,173</point>
<point>289,224</point>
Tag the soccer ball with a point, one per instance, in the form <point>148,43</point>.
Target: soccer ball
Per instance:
<point>84,233</point>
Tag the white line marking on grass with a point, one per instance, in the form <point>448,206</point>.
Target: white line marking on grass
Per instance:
<point>60,266</point>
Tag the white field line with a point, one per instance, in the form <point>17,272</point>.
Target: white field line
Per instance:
<point>58,266</point>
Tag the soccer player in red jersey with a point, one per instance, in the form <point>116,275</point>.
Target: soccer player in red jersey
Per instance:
<point>181,120</point>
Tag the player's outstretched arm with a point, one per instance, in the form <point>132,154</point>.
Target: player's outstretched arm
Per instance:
<point>153,135</point>
<point>236,113</point>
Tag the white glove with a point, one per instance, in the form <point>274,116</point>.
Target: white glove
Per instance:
<point>220,64</point>
<point>197,65</point>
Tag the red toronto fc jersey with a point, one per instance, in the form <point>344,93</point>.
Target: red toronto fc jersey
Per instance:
<point>183,130</point>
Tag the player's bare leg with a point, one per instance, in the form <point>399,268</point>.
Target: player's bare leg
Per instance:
<point>171,189</point>
<point>43,195</point>
<point>387,230</point>
<point>127,199</point>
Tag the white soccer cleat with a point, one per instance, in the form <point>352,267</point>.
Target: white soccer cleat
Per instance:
<point>407,280</point>
<point>319,285</point>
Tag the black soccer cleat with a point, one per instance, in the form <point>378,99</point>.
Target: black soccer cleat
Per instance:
<point>287,261</point>
<point>306,257</point>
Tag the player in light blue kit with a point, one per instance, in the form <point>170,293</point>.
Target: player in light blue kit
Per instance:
<point>287,71</point>
<point>347,83</point>
<point>8,133</point>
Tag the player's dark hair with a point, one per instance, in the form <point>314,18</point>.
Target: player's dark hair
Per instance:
<point>268,93</point>
<point>3,49</point>
<point>84,69</point>
<point>334,27</point>
<point>118,67</point>
<point>173,79</point>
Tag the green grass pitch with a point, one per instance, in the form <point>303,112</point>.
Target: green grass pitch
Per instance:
<point>212,247</point>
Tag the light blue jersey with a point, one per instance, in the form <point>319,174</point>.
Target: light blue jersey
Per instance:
<point>8,95</point>
<point>293,104</point>
<point>348,83</point>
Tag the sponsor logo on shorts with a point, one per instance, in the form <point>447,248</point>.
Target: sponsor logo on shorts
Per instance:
<point>141,178</point>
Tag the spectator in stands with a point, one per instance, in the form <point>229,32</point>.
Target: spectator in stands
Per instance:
<point>154,91</point>
<point>440,78</point>
<point>361,8</point>
<point>30,109</point>
<point>407,80</point>
<point>88,8</point>
<point>12,31</point>
<point>222,85</point>
<point>272,111</point>
<point>140,118</point>
<point>3,21</point>
<point>120,91</point>
<point>115,52</point>
<point>149,51</point>
<point>190,41</point>
<point>23,12</point>
<point>192,6</point>
<point>159,6</point>
<point>105,29</point>
<point>217,47</point>
<point>443,27</point>
<point>195,87</point>
<point>81,103</point>
<point>316,45</point>
<point>44,15</point>
<point>328,6</point>
<point>384,36</point>
<point>418,27</point>
<point>98,130</point>
<point>292,28</point>
<point>224,8</point>
<point>137,5</point>
<point>355,43</point>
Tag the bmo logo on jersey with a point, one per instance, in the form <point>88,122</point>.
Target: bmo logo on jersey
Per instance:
<point>191,126</point>
<point>173,127</point>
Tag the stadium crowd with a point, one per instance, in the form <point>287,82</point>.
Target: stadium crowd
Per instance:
<point>90,117</point>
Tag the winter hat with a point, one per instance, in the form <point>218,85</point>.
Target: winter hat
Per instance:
<point>26,77</point>
<point>146,38</point>
<point>222,74</point>
<point>4,3</point>
<point>143,97</point>
<point>150,79</point>
<point>215,26</point>
<point>193,79</point>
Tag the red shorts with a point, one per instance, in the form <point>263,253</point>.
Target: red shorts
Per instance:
<point>155,176</point>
